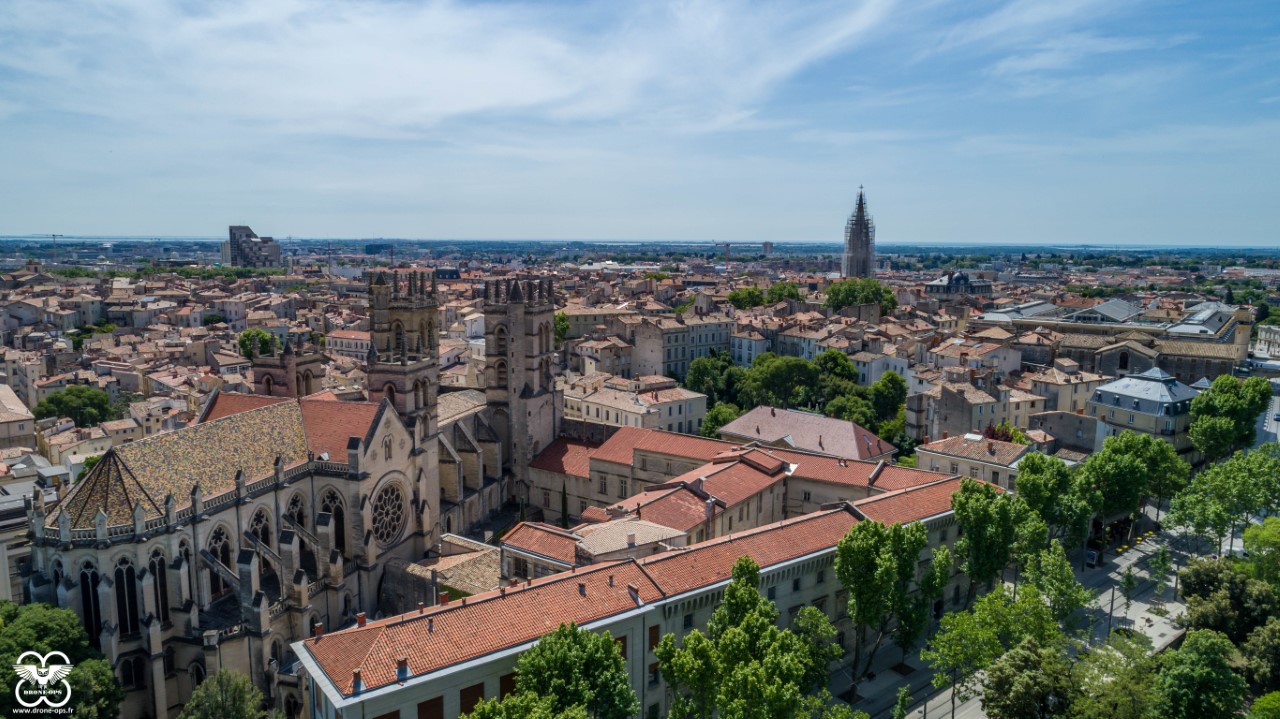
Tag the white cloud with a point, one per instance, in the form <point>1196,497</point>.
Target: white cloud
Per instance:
<point>397,69</point>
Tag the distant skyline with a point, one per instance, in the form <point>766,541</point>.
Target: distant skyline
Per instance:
<point>1067,122</point>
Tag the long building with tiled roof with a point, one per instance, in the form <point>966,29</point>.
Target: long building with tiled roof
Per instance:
<point>441,661</point>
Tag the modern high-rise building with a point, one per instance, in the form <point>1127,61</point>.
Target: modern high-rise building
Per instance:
<point>859,242</point>
<point>244,248</point>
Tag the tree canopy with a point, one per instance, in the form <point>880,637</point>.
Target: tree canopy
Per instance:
<point>575,667</point>
<point>1196,680</point>
<point>1224,416</point>
<point>864,291</point>
<point>255,342</point>
<point>95,693</point>
<point>227,694</point>
<point>86,406</point>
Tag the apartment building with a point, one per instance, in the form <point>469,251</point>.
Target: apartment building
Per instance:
<point>1064,386</point>
<point>650,402</point>
<point>348,343</point>
<point>17,424</point>
<point>1152,402</point>
<point>976,457</point>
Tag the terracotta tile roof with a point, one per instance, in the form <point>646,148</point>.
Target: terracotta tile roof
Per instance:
<point>683,570</point>
<point>676,507</point>
<point>808,431</point>
<point>448,634</point>
<point>330,425</point>
<point>854,473</point>
<point>566,456</point>
<point>226,404</point>
<point>910,505</point>
<point>731,482</point>
<point>621,447</point>
<point>991,451</point>
<point>544,540</point>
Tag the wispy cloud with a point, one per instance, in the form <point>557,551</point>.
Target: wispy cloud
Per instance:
<point>389,69</point>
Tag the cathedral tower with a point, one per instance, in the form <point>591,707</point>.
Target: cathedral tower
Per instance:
<point>289,372</point>
<point>519,326</point>
<point>859,242</point>
<point>404,347</point>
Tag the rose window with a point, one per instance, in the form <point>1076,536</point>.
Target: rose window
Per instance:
<point>388,515</point>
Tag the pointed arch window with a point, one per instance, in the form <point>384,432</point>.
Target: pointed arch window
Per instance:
<point>160,571</point>
<point>90,606</point>
<point>126,580</point>
<point>332,505</point>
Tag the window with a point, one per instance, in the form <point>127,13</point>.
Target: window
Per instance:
<point>1130,419</point>
<point>795,584</point>
<point>546,498</point>
<point>688,621</point>
<point>431,709</point>
<point>604,485</point>
<point>973,472</point>
<point>822,576</point>
<point>772,593</point>
<point>652,712</point>
<point>506,685</point>
<point>654,636</point>
<point>995,478</point>
<point>653,674</point>
<point>808,496</point>
<point>955,468</point>
<point>469,697</point>
<point>622,488</point>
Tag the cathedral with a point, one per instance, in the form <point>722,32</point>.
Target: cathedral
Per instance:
<point>859,258</point>
<point>283,512</point>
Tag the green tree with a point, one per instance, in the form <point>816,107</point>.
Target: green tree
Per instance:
<point>915,608</point>
<point>1029,682</point>
<point>1262,652</point>
<point>852,408</point>
<point>903,703</point>
<point>1262,542</point>
<point>746,297</point>
<point>1052,491</point>
<point>1117,679</point>
<point>717,417</point>
<point>227,694</point>
<point>780,381</point>
<point>212,320</point>
<point>706,375</point>
<point>561,327</point>
<point>864,291</point>
<point>876,564</point>
<point>524,705</point>
<point>780,291</point>
<point>89,464</point>
<point>834,363</point>
<point>1237,401</point>
<point>744,666</point>
<point>1266,706</point>
<point>1159,565</point>
<point>989,521</point>
<point>41,628</point>
<point>1229,492</point>
<point>888,395</point>
<point>575,667</point>
<point>1051,573</point>
<point>1130,466</point>
<point>255,342</point>
<point>817,637</point>
<point>1196,681</point>
<point>86,406</point>
<point>1006,432</point>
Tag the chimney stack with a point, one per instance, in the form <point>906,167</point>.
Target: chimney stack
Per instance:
<point>318,631</point>
<point>360,619</point>
<point>355,680</point>
<point>444,597</point>
<point>421,607</point>
<point>582,588</point>
<point>631,539</point>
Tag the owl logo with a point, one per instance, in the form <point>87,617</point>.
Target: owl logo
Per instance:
<point>43,682</point>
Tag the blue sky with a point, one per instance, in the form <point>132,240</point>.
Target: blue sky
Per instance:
<point>1078,121</point>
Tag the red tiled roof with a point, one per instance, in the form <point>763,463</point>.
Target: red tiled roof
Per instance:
<point>545,540</point>
<point>676,507</point>
<point>621,447</point>
<point>566,456</point>
<point>682,570</point>
<point>330,425</point>
<point>448,634</point>
<point>910,505</point>
<point>229,403</point>
<point>731,483</point>
<point>854,473</point>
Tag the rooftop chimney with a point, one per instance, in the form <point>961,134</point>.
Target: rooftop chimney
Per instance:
<point>611,580</point>
<point>582,588</point>
<point>421,607</point>
<point>318,631</point>
<point>945,434</point>
<point>355,680</point>
<point>444,597</point>
<point>431,624</point>
<point>991,447</point>
<point>360,619</point>
<point>631,539</point>
<point>402,668</point>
